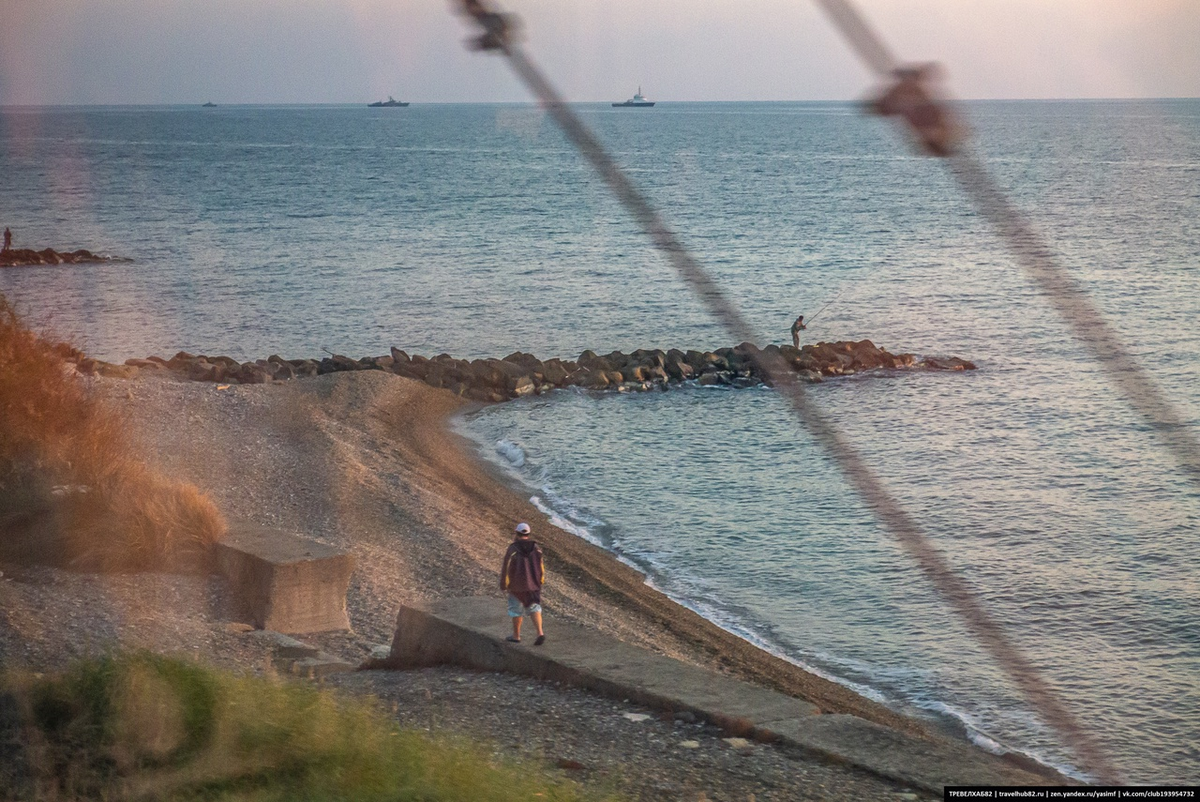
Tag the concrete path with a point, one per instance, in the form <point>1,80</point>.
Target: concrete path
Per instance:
<point>471,633</point>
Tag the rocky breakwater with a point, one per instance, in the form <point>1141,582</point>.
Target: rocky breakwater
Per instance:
<point>25,257</point>
<point>520,374</point>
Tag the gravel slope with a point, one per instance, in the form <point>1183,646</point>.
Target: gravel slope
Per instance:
<point>365,462</point>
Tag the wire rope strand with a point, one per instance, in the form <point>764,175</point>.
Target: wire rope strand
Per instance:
<point>870,48</point>
<point>1088,326</point>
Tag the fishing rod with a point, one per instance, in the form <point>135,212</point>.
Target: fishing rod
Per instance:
<point>826,306</point>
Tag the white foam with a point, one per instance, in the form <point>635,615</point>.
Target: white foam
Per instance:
<point>976,735</point>
<point>563,522</point>
<point>512,453</point>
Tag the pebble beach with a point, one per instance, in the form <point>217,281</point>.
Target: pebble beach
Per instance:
<point>366,462</point>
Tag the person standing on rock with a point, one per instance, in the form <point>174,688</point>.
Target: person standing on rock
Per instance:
<point>7,241</point>
<point>797,327</point>
<point>521,574</point>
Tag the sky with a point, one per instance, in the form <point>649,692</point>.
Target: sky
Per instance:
<point>355,51</point>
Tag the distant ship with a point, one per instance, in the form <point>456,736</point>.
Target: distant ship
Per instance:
<point>389,103</point>
<point>209,105</point>
<point>636,100</point>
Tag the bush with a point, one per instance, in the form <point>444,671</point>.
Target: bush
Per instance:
<point>148,727</point>
<point>72,493</point>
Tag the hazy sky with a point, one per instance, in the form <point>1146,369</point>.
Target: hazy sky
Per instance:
<point>333,51</point>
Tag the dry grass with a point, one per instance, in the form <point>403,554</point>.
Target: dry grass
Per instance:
<point>72,493</point>
<point>147,727</point>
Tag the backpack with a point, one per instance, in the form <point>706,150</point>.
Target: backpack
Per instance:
<point>524,569</point>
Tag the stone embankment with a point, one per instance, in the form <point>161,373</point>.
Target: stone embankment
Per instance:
<point>520,374</point>
<point>26,257</point>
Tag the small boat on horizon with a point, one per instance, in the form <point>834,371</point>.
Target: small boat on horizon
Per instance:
<point>208,105</point>
<point>637,100</point>
<point>391,102</point>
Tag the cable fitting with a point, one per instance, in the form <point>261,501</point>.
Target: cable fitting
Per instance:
<point>915,98</point>
<point>498,28</point>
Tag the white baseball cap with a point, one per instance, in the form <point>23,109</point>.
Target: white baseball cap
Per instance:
<point>522,528</point>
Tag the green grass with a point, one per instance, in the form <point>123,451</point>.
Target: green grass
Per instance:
<point>140,727</point>
<point>72,490</point>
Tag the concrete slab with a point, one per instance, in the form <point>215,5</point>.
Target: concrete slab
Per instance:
<point>888,752</point>
<point>471,633</point>
<point>285,582</point>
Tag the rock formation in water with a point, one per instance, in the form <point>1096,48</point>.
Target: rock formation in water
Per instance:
<point>25,257</point>
<point>520,374</point>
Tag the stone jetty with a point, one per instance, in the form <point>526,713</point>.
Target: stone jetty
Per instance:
<point>26,257</point>
<point>520,374</point>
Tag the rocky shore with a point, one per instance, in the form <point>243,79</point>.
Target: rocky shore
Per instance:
<point>27,257</point>
<point>520,374</point>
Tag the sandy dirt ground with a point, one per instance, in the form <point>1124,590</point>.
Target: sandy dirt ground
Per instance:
<point>366,462</point>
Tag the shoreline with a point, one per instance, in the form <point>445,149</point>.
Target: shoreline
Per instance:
<point>368,462</point>
<point>926,722</point>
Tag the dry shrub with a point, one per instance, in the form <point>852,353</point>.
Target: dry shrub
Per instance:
<point>72,492</point>
<point>143,727</point>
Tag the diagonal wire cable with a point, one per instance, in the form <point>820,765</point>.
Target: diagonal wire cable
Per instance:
<point>498,35</point>
<point>1036,258</point>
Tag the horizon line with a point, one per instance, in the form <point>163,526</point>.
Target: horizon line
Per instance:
<point>353,103</point>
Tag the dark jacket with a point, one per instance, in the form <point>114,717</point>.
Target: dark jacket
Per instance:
<point>522,569</point>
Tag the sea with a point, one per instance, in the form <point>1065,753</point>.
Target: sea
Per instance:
<point>477,230</point>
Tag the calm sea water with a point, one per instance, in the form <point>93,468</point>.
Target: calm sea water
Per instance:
<point>475,230</point>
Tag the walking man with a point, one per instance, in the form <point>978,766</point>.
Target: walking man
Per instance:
<point>797,327</point>
<point>521,574</point>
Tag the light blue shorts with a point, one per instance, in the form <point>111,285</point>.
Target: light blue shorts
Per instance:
<point>516,609</point>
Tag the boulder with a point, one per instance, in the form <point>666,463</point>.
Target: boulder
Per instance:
<point>283,371</point>
<point>181,360</point>
<point>635,373</point>
<point>252,373</point>
<point>946,363</point>
<point>412,369</point>
<point>341,363</point>
<point>589,379</point>
<point>372,363</point>
<point>116,371</point>
<point>201,371</point>
<point>596,363</point>
<point>657,374</point>
<point>679,370</point>
<point>554,372</point>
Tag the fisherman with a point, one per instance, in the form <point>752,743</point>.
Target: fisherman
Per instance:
<point>7,241</point>
<point>797,327</point>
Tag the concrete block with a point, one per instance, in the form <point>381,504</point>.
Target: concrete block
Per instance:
<point>284,582</point>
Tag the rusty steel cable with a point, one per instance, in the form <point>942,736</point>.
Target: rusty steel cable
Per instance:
<point>1032,253</point>
<point>930,123</point>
